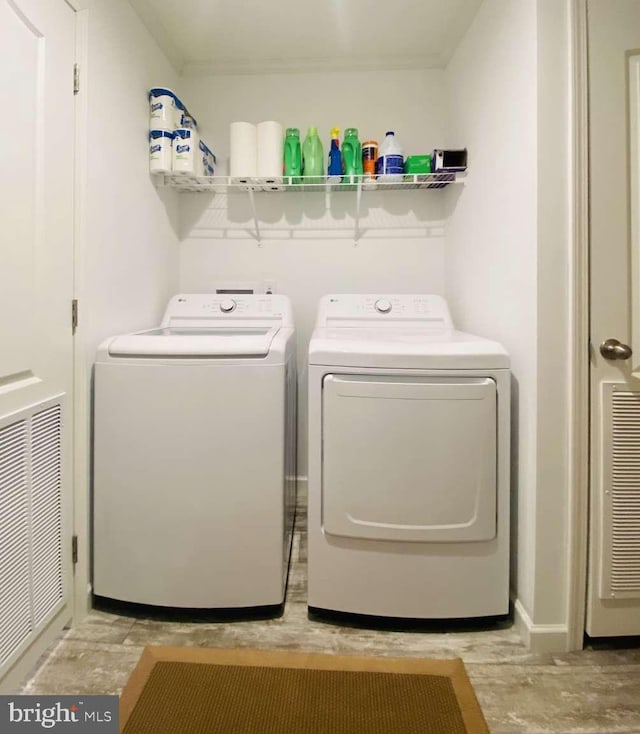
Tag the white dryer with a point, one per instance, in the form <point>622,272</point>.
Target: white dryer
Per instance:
<point>408,462</point>
<point>194,455</point>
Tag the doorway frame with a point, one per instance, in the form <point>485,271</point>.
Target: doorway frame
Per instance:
<point>578,486</point>
<point>577,373</point>
<point>81,603</point>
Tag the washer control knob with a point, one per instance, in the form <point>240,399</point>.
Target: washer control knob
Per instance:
<point>383,305</point>
<point>228,305</point>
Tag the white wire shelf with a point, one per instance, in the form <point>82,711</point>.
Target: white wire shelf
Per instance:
<point>320,184</point>
<point>228,185</point>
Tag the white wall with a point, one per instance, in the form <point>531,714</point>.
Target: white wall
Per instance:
<point>491,259</point>
<point>132,228</point>
<point>308,248</point>
<point>127,231</point>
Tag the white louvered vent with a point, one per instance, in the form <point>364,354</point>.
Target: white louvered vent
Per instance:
<point>46,511</point>
<point>620,577</point>
<point>31,569</point>
<point>15,598</point>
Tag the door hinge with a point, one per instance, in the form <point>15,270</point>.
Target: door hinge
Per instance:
<point>74,549</point>
<point>74,315</point>
<point>76,78</point>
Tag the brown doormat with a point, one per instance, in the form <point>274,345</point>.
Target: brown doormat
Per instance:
<point>178,690</point>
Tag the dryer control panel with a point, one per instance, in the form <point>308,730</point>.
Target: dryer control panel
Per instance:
<point>359,310</point>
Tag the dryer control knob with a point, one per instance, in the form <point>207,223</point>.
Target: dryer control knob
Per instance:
<point>383,305</point>
<point>228,306</point>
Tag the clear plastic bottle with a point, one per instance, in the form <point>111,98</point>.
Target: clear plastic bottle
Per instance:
<point>390,165</point>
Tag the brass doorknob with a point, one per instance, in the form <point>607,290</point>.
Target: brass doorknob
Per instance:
<point>613,349</point>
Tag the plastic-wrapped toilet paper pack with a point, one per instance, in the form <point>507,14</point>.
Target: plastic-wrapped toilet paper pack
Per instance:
<point>185,152</point>
<point>162,109</point>
<point>160,150</point>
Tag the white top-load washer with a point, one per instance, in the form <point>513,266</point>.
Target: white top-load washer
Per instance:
<point>194,455</point>
<point>408,462</point>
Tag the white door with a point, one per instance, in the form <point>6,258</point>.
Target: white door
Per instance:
<point>37,47</point>
<point>613,601</point>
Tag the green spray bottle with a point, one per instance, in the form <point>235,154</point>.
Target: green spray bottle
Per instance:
<point>352,156</point>
<point>292,155</point>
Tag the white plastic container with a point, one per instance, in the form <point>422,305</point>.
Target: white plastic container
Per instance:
<point>160,151</point>
<point>390,163</point>
<point>162,109</point>
<point>185,155</point>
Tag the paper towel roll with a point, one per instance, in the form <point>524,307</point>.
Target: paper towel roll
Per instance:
<point>270,139</point>
<point>242,165</point>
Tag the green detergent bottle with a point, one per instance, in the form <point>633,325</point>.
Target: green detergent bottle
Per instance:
<point>352,156</point>
<point>292,155</point>
<point>312,157</point>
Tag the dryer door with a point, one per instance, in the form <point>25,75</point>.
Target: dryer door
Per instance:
<point>409,458</point>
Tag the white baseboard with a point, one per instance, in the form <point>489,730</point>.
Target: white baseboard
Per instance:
<point>540,638</point>
<point>302,483</point>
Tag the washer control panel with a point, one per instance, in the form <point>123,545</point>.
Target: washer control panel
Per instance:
<point>211,309</point>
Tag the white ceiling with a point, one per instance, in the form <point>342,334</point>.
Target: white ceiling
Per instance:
<point>249,36</point>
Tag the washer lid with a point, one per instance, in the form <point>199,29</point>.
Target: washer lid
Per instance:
<point>404,349</point>
<point>172,341</point>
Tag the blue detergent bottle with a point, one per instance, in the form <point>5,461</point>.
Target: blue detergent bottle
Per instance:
<point>334,171</point>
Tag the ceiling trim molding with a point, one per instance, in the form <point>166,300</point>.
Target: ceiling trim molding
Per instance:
<point>293,66</point>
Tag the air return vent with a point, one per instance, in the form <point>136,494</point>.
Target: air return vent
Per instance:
<point>620,570</point>
<point>46,511</point>
<point>31,585</point>
<point>15,597</point>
